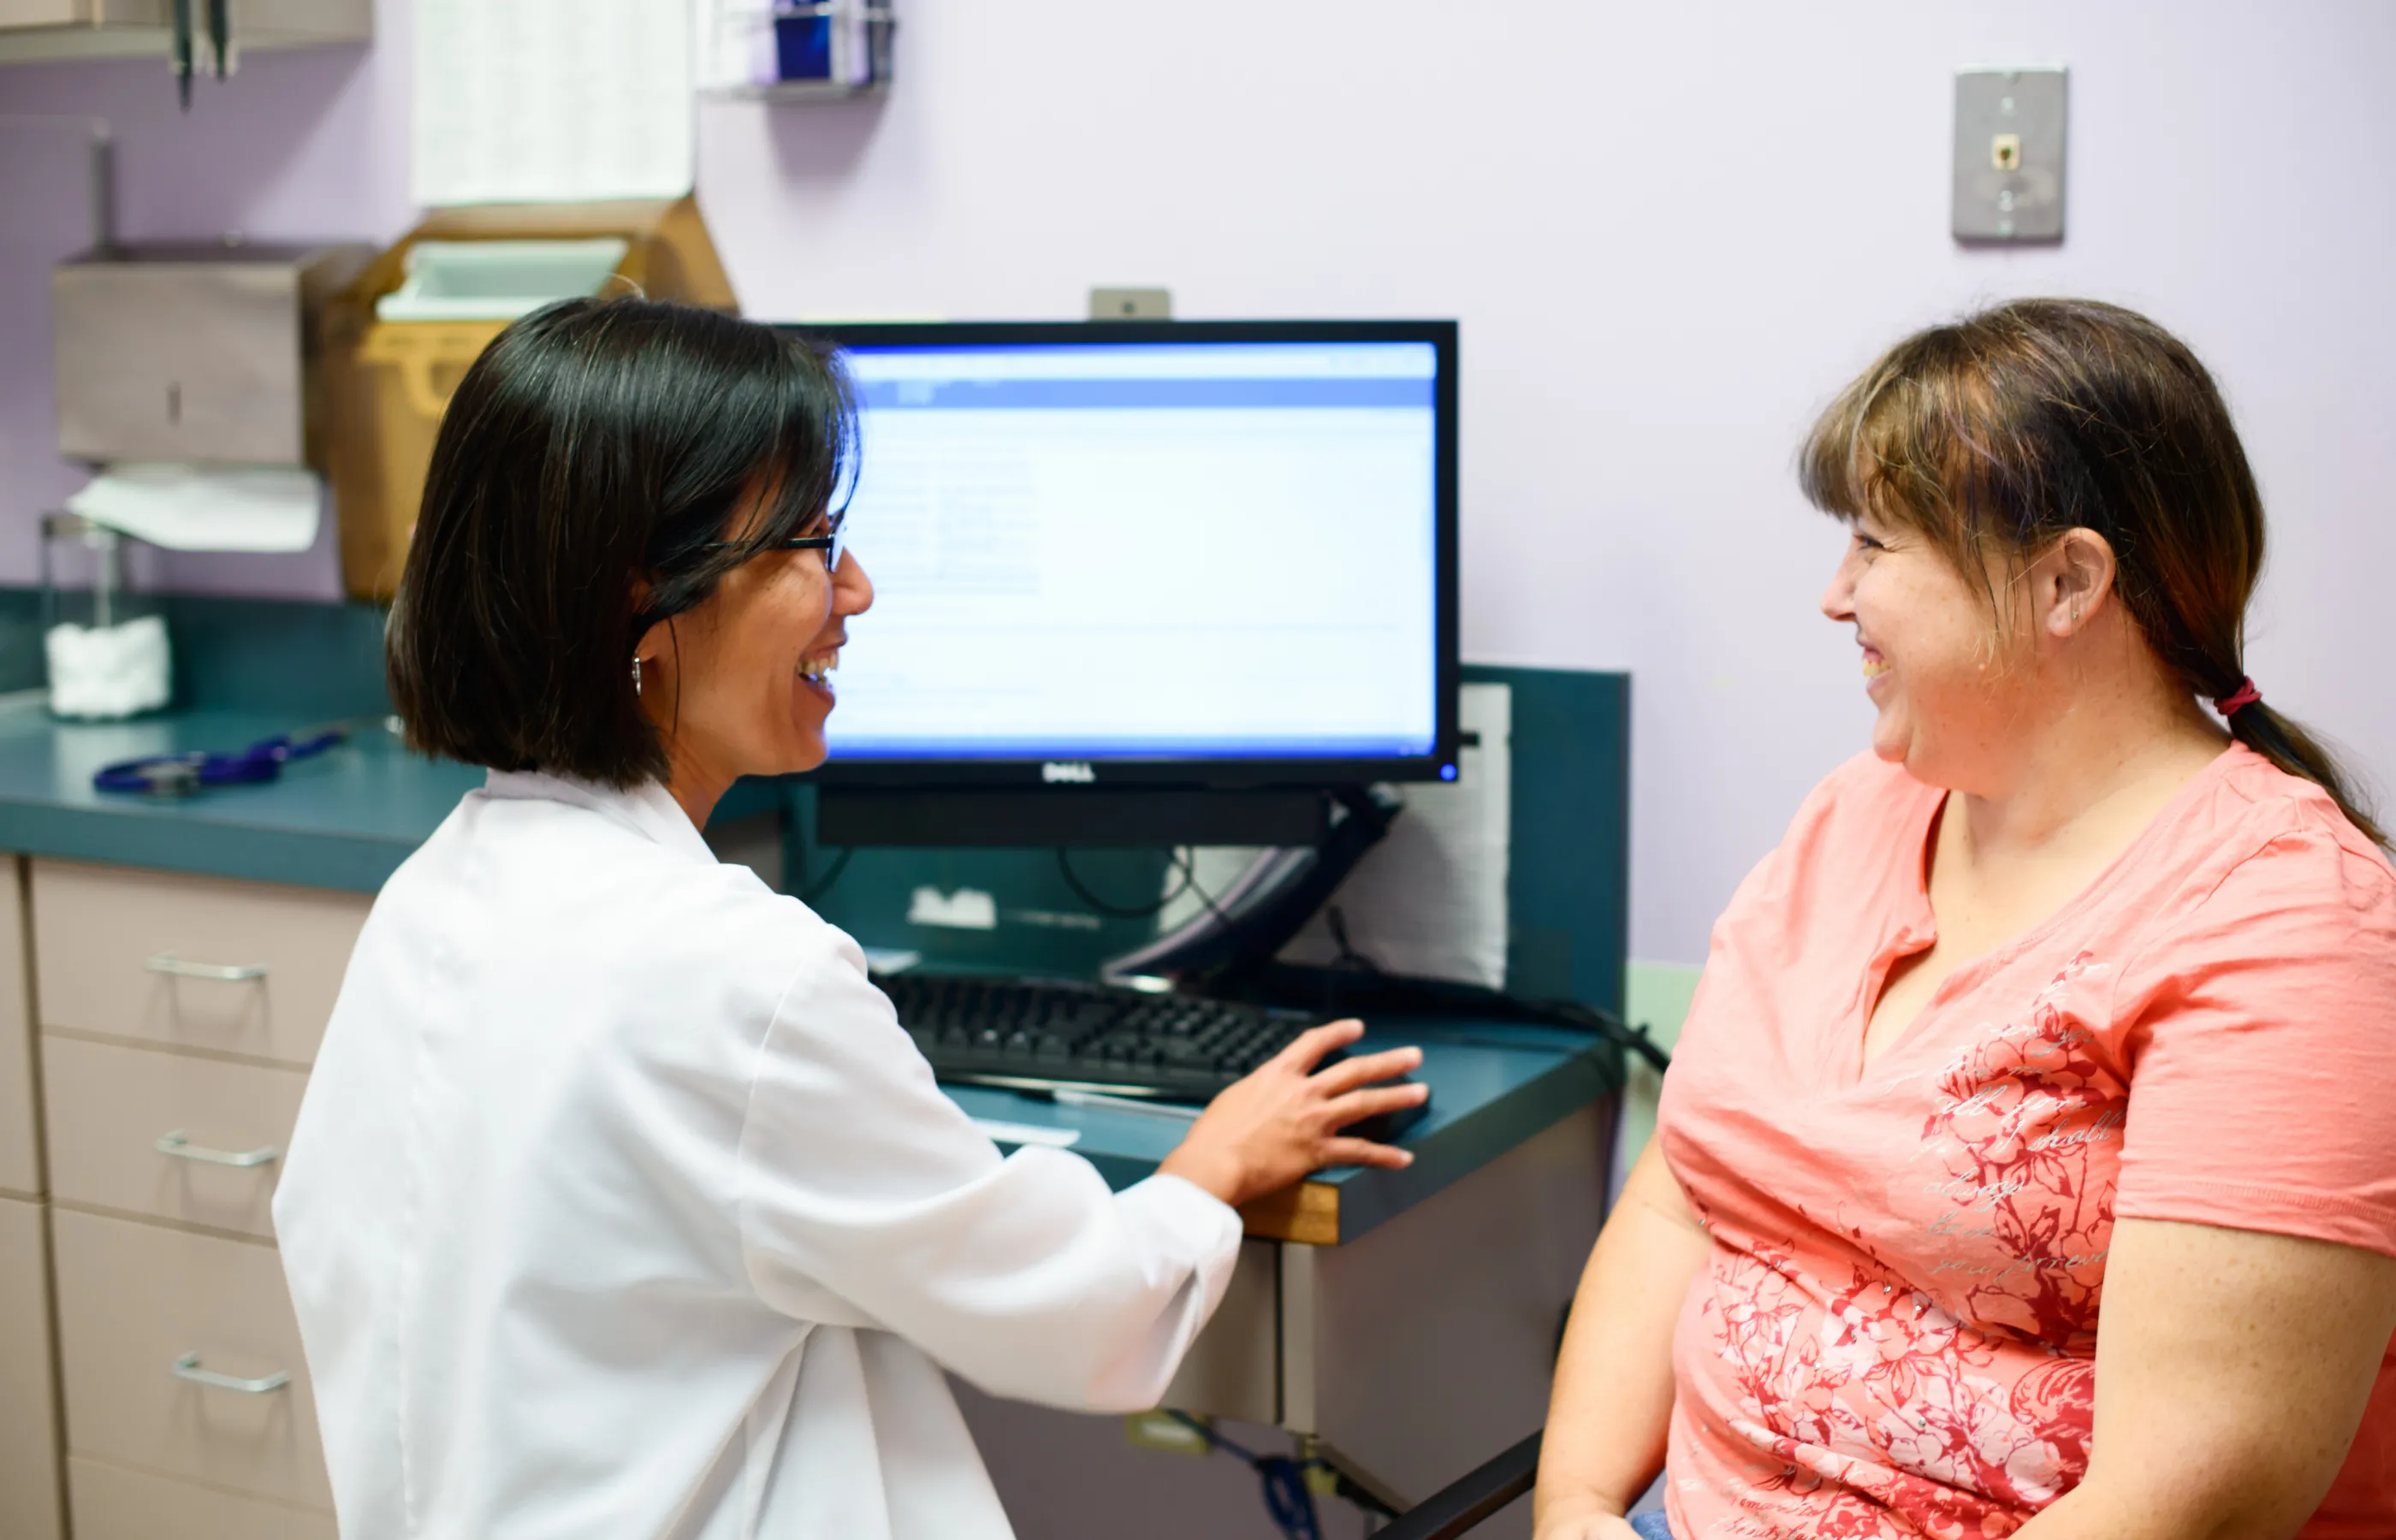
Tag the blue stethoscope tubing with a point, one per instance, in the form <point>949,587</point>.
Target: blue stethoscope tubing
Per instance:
<point>181,775</point>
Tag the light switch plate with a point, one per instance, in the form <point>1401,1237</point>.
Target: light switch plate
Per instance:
<point>2009,153</point>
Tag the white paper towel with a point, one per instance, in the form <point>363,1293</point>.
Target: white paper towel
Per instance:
<point>254,508</point>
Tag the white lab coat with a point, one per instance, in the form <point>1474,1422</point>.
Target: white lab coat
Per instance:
<point>619,1204</point>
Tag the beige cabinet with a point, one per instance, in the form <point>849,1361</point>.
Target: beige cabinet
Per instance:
<point>29,1417</point>
<point>29,1413</point>
<point>197,1141</point>
<point>20,1163</point>
<point>176,1017</point>
<point>115,1503</point>
<point>182,1357</point>
<point>165,961</point>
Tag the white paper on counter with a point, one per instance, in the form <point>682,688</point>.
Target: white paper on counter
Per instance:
<point>1431,898</point>
<point>252,508</point>
<point>1029,1133</point>
<point>552,101</point>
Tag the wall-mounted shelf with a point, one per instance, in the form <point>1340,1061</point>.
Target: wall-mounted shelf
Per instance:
<point>36,31</point>
<point>780,51</point>
<point>792,90</point>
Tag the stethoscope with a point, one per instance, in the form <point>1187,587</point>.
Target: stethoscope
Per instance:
<point>181,775</point>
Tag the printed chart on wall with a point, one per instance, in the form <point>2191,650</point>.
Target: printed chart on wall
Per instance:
<point>552,101</point>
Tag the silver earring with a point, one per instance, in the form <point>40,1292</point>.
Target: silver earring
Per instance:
<point>636,674</point>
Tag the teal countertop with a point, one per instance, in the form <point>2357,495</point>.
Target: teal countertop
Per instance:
<point>343,819</point>
<point>347,819</point>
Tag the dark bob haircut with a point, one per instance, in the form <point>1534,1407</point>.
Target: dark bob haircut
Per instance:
<point>589,461</point>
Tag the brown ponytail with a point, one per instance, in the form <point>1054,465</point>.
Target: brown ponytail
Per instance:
<point>2286,744</point>
<point>1999,433</point>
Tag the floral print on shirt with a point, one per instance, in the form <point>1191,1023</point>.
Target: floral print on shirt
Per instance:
<point>1943,1388</point>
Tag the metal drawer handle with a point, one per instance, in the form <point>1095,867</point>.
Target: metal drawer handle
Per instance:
<point>183,1149</point>
<point>221,973</point>
<point>188,1368</point>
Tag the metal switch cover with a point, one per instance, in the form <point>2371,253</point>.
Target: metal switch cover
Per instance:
<point>2009,153</point>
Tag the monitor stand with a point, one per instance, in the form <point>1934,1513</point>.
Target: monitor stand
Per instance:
<point>1239,933</point>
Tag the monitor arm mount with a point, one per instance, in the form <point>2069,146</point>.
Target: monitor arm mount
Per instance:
<point>1233,938</point>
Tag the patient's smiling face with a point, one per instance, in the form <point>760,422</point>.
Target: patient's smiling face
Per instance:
<point>1937,662</point>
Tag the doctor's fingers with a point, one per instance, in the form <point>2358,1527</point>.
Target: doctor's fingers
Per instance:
<point>1307,1049</point>
<point>1339,1111</point>
<point>1363,1152</point>
<point>1348,1074</point>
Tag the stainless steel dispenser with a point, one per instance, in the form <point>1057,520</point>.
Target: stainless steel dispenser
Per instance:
<point>193,351</point>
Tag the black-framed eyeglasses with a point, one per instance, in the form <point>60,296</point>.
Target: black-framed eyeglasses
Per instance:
<point>831,545</point>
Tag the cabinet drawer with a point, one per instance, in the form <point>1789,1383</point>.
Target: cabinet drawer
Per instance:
<point>20,1170</point>
<point>112,1503</point>
<point>190,961</point>
<point>111,1107</point>
<point>133,1301</point>
<point>28,1419</point>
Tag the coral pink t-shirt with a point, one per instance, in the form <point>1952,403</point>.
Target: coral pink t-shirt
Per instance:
<point>1897,1335</point>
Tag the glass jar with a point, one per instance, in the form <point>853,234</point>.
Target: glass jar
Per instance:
<point>103,638</point>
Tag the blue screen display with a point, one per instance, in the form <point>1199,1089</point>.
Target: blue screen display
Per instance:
<point>1192,550</point>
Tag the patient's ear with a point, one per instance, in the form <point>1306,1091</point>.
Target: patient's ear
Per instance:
<point>2071,582</point>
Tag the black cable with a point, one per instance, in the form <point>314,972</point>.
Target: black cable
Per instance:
<point>1588,1018</point>
<point>824,884</point>
<point>1186,856</point>
<point>1347,992</point>
<point>1635,1039</point>
<point>1117,911</point>
<point>1349,957</point>
<point>1289,1500</point>
<point>1572,1014</point>
<point>1375,988</point>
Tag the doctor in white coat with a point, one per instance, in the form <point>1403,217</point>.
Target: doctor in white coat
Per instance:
<point>620,1203</point>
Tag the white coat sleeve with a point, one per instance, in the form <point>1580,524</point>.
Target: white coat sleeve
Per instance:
<point>1025,1275</point>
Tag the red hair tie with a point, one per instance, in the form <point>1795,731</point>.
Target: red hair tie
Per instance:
<point>2245,694</point>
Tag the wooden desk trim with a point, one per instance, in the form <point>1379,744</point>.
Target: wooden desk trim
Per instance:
<point>1305,1212</point>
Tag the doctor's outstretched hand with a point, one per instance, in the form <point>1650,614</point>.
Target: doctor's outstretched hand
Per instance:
<point>1283,1122</point>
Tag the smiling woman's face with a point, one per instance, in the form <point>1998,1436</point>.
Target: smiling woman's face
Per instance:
<point>1935,662</point>
<point>741,685</point>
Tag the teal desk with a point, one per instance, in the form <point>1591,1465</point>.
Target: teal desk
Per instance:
<point>345,820</point>
<point>1493,1085</point>
<point>1403,1321</point>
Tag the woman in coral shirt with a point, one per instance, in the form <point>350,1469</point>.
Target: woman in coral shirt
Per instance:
<point>2028,1164</point>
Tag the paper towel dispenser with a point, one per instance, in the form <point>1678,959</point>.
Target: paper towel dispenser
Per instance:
<point>196,351</point>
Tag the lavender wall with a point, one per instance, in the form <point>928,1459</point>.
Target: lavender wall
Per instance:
<point>1669,231</point>
<point>297,145</point>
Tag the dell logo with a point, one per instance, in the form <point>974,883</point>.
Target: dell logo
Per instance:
<point>1067,771</point>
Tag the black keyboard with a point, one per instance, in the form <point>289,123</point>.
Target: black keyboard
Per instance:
<point>1050,1034</point>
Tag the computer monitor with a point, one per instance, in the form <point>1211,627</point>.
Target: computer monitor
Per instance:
<point>1144,583</point>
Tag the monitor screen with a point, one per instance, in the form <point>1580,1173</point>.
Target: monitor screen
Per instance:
<point>1166,552</point>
